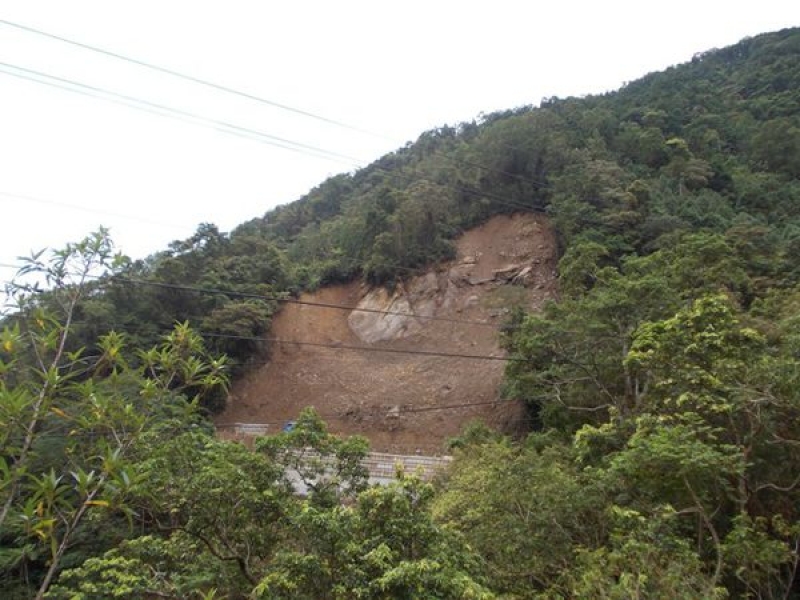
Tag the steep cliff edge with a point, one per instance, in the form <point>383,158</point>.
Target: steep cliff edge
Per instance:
<point>406,402</point>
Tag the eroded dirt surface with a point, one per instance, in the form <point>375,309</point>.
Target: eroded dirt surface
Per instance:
<point>406,403</point>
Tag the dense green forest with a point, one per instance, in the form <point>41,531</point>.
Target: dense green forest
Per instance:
<point>664,385</point>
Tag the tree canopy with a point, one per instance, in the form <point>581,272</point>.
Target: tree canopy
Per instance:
<point>662,385</point>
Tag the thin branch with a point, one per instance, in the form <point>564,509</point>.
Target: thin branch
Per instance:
<point>793,574</point>
<point>711,529</point>
<point>777,488</point>
<point>217,554</point>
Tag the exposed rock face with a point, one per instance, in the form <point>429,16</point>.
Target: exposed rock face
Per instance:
<point>399,313</point>
<point>423,297</point>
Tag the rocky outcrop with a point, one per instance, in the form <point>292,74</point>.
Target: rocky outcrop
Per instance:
<point>386,315</point>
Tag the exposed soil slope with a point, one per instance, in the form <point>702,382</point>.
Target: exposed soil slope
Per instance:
<point>404,402</point>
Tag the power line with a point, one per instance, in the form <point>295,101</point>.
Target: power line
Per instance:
<point>382,408</point>
<point>86,209</point>
<point>374,410</point>
<point>540,184</point>
<point>464,190</point>
<point>338,346</point>
<point>197,80</point>
<point>229,128</point>
<point>247,95</point>
<point>287,300</point>
<point>174,113</point>
<point>279,298</point>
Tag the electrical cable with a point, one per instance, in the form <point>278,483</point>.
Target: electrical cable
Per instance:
<point>279,298</point>
<point>192,79</point>
<point>378,412</point>
<point>379,408</point>
<point>287,300</point>
<point>328,345</point>
<point>283,300</point>
<point>170,112</point>
<point>228,128</point>
<point>249,96</point>
<point>499,199</point>
<point>533,182</point>
<point>338,346</point>
<point>87,209</point>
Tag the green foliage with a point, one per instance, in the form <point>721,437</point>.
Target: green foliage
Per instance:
<point>386,546</point>
<point>568,359</point>
<point>759,556</point>
<point>665,381</point>
<point>239,324</point>
<point>221,496</point>
<point>694,462</point>
<point>696,355</point>
<point>70,422</point>
<point>677,461</point>
<point>645,558</point>
<point>147,566</point>
<point>328,467</point>
<point>523,510</point>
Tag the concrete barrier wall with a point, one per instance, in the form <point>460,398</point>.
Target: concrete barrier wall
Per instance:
<point>382,467</point>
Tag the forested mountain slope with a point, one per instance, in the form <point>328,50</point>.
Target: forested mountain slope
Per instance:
<point>711,146</point>
<point>662,388</point>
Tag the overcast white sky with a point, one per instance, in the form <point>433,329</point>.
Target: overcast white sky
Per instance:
<point>69,162</point>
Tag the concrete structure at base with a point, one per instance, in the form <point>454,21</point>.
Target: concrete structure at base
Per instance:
<point>382,468</point>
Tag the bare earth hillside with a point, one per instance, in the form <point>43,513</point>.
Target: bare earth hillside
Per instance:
<point>406,403</point>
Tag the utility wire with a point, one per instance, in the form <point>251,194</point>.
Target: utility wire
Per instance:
<point>86,209</point>
<point>330,345</point>
<point>230,128</point>
<point>279,298</point>
<point>170,112</point>
<point>375,410</point>
<point>380,408</point>
<point>197,80</point>
<point>287,300</point>
<point>338,346</point>
<point>134,105</point>
<point>225,127</point>
<point>534,182</point>
<point>249,96</point>
<point>372,411</point>
<point>412,178</point>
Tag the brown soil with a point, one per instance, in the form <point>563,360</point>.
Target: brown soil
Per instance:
<point>406,403</point>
